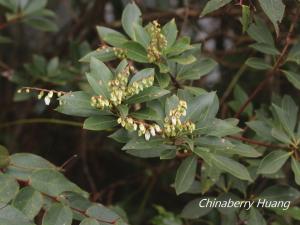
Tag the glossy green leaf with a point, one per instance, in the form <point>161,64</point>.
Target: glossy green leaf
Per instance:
<point>213,5</point>
<point>265,48</point>
<point>100,123</point>
<point>142,74</point>
<point>170,31</point>
<point>8,189</point>
<point>136,52</point>
<point>180,46</point>
<point>11,4</point>
<point>203,107</point>
<point>293,78</point>
<point>29,202</point>
<point>102,214</point>
<point>104,54</point>
<point>33,6</point>
<point>58,214</point>
<point>185,174</point>
<point>231,166</point>
<point>280,193</point>
<point>101,75</point>
<point>274,9</point>
<point>111,36</point>
<point>147,94</point>
<point>255,217</point>
<point>257,63</point>
<point>141,35</point>
<point>23,164</point>
<point>89,221</point>
<point>12,216</point>
<point>272,162</point>
<point>52,183</point>
<point>131,16</point>
<point>260,32</point>
<point>196,70</point>
<point>296,170</point>
<point>78,104</point>
<point>146,114</point>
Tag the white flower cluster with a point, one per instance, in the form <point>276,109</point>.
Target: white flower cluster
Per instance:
<point>173,125</point>
<point>119,90</point>
<point>158,42</point>
<point>145,129</point>
<point>47,95</point>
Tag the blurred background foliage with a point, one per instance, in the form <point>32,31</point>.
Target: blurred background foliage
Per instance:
<point>40,45</point>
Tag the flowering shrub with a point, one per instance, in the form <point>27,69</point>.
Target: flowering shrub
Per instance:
<point>141,90</point>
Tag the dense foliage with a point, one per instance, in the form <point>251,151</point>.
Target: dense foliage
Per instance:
<point>142,89</point>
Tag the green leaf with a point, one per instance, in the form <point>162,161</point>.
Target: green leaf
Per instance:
<point>141,143</point>
<point>244,150</point>
<point>103,54</point>
<point>58,214</point>
<point>147,94</point>
<point>8,189</point>
<point>11,4</point>
<point>29,202</point>
<point>146,114</point>
<point>184,59</point>
<point>291,111</point>
<point>296,169</point>
<point>293,78</point>
<point>180,46</point>
<point>89,221</point>
<point>221,128</point>
<point>12,216</point>
<point>4,157</point>
<point>147,153</point>
<point>111,36</point>
<point>280,193</point>
<point>170,31</point>
<point>136,52</point>
<point>185,174</point>
<point>265,48</point>
<point>34,6</point>
<point>163,79</point>
<point>274,9</point>
<point>229,165</point>
<point>103,214</point>
<point>100,123</point>
<point>101,75</point>
<point>41,23</point>
<point>203,107</point>
<point>52,183</point>
<point>192,210</point>
<point>260,128</point>
<point>272,162</point>
<point>142,74</point>
<point>284,120</point>
<point>260,32</point>
<point>196,70</point>
<point>130,17</point>
<point>78,104</point>
<point>246,17</point>
<point>23,164</point>
<point>142,36</point>
<point>213,5</point>
<point>257,63</point>
<point>52,66</point>
<point>255,217</point>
